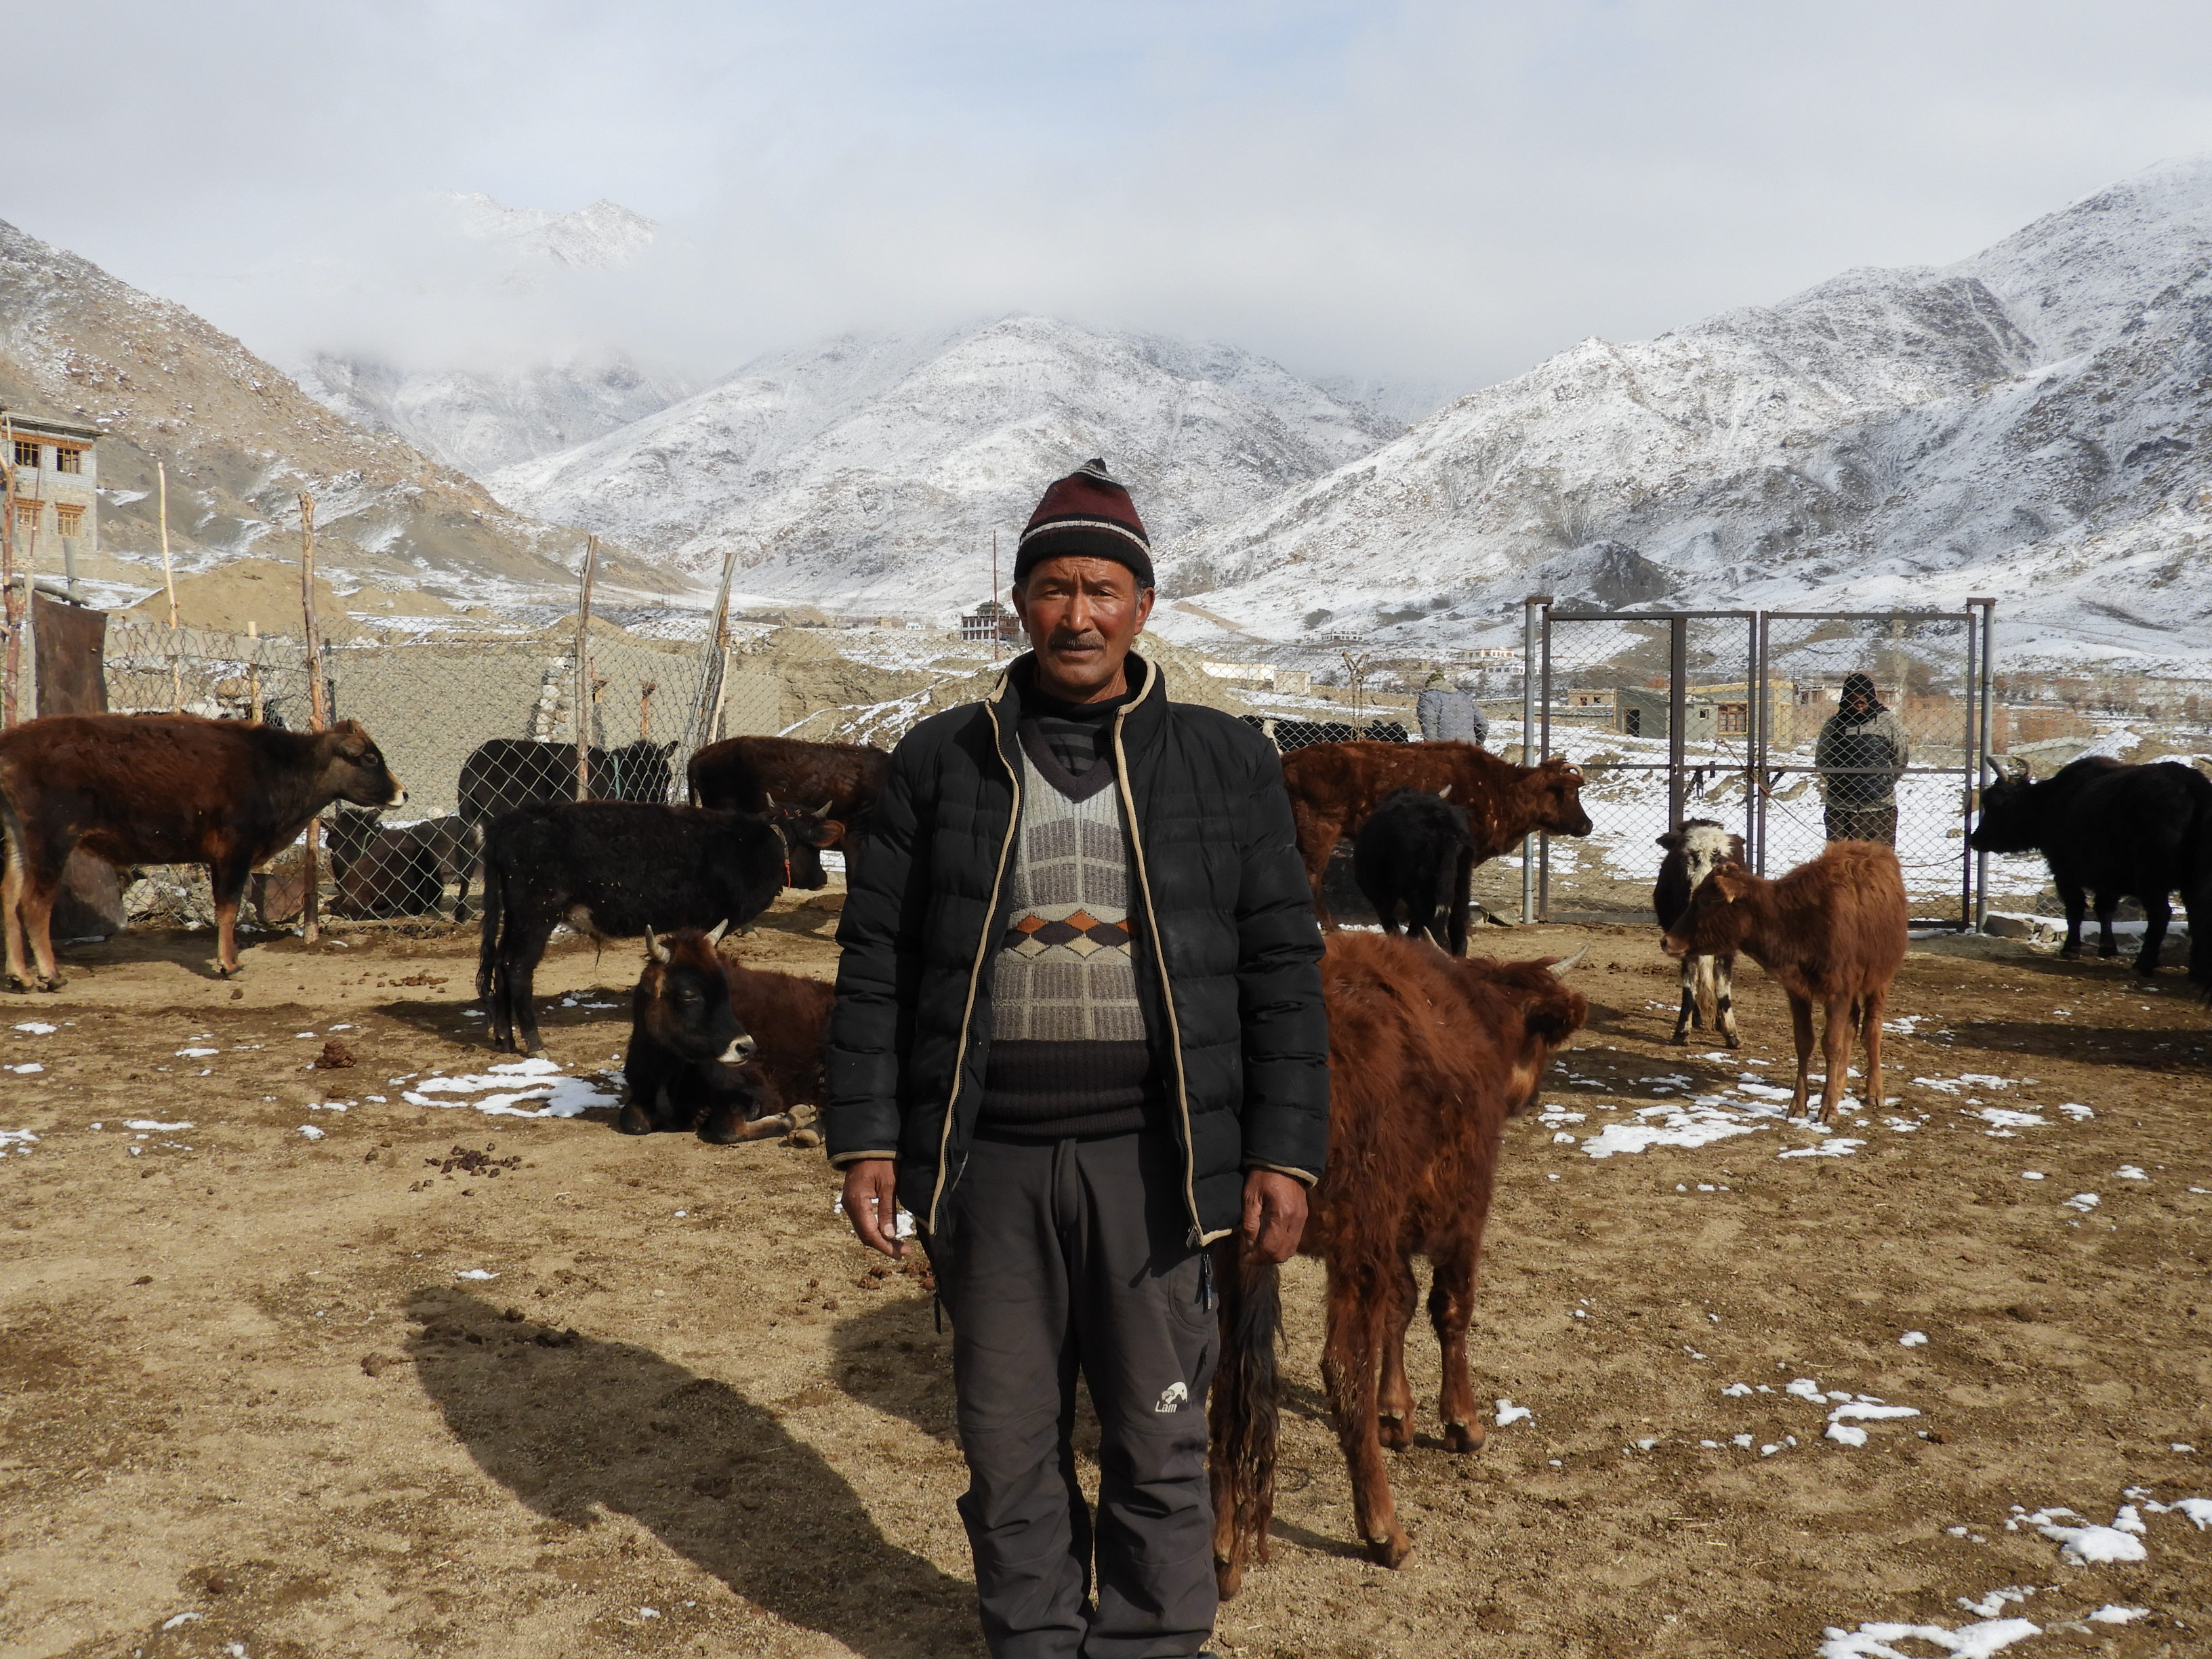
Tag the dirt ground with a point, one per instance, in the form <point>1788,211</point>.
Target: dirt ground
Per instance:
<point>252,1400</point>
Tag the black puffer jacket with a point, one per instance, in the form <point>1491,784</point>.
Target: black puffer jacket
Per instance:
<point>1224,918</point>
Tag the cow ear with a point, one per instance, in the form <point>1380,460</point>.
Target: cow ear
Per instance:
<point>1730,882</point>
<point>656,949</point>
<point>832,833</point>
<point>1672,841</point>
<point>714,933</point>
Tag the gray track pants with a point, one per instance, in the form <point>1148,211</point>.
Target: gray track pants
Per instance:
<point>1059,1256</point>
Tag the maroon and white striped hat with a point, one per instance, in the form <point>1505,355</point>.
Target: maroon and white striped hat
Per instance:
<point>1086,514</point>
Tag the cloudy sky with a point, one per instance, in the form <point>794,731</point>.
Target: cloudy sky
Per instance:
<point>1445,192</point>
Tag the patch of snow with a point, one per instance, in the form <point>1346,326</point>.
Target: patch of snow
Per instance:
<point>474,1272</point>
<point>151,1126</point>
<point>38,1028</point>
<point>2084,1202</point>
<point>536,1087</point>
<point>2085,1544</point>
<point>1510,1412</point>
<point>1913,1339</point>
<point>1979,1641</point>
<point>1838,1147</point>
<point>311,1132</point>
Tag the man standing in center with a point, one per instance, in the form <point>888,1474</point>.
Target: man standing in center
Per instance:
<point>1079,1035</point>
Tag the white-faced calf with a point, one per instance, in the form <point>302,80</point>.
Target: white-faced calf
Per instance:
<point>1833,931</point>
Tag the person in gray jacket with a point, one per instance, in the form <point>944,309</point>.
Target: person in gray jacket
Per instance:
<point>1862,751</point>
<point>1449,716</point>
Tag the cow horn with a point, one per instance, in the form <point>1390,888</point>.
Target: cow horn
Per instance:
<point>1565,965</point>
<point>656,949</point>
<point>1444,793</point>
<point>823,810</point>
<point>2018,768</point>
<point>714,933</point>
<point>770,799</point>
<point>1996,773</point>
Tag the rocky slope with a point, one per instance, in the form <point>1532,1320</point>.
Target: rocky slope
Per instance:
<point>871,471</point>
<point>2029,424</point>
<point>241,440</point>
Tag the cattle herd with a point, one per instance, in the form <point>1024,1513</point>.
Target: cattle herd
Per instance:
<point>1430,1050</point>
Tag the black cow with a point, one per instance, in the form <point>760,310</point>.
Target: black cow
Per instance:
<point>399,870</point>
<point>611,870</point>
<point>726,1047</point>
<point>506,773</point>
<point>2117,831</point>
<point>1415,849</point>
<point>1695,848</point>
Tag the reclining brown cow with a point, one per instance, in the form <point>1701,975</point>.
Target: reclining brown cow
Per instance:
<point>163,789</point>
<point>726,1049</point>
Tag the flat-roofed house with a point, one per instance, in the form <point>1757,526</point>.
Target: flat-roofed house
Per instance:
<point>57,488</point>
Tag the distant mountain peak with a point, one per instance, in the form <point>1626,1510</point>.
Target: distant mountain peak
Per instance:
<point>595,236</point>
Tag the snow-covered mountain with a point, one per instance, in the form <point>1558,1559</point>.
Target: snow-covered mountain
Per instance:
<point>2032,424</point>
<point>481,420</point>
<point>482,417</point>
<point>874,469</point>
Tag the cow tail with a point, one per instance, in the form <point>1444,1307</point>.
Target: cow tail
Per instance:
<point>493,899</point>
<point>1243,1411</point>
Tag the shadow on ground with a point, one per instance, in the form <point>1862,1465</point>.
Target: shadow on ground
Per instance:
<point>574,1424</point>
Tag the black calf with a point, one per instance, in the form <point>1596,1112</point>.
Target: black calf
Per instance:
<point>610,870</point>
<point>1415,850</point>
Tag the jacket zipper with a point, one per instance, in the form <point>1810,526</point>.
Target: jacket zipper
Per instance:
<point>1160,956</point>
<point>982,954</point>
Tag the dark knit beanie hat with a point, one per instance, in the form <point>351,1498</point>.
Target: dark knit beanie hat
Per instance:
<point>1086,515</point>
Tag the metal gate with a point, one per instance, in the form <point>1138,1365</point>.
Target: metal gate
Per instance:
<point>1718,715</point>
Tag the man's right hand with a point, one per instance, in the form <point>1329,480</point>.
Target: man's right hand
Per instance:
<point>871,1205</point>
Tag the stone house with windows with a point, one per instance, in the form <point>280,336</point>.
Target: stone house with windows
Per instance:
<point>56,487</point>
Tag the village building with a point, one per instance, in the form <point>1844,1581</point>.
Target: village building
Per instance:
<point>57,478</point>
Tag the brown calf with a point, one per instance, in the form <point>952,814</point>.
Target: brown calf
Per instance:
<point>1428,1056</point>
<point>748,775</point>
<point>1334,786</point>
<point>1833,931</point>
<point>164,789</point>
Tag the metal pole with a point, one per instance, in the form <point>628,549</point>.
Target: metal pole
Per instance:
<point>1678,713</point>
<point>1970,772</point>
<point>1528,739</point>
<point>1989,647</point>
<point>585,696</point>
<point>1764,775</point>
<point>12,662</point>
<point>1754,736</point>
<point>1543,754</point>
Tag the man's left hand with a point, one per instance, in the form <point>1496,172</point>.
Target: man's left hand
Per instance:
<point>1274,1214</point>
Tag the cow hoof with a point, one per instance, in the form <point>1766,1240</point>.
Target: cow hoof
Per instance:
<point>1389,1551</point>
<point>736,1134</point>
<point>1463,1438</point>
<point>1680,1040</point>
<point>52,984</point>
<point>1732,1040</point>
<point>1393,1431</point>
<point>632,1121</point>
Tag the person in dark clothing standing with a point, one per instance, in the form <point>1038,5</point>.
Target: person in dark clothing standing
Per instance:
<point>1079,1035</point>
<point>1862,751</point>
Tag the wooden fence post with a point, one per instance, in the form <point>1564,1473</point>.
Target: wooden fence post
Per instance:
<point>586,696</point>
<point>13,663</point>
<point>318,710</point>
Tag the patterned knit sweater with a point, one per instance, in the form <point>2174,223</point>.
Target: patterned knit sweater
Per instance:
<point>1068,1054</point>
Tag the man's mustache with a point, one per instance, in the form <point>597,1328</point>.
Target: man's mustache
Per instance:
<point>1089,636</point>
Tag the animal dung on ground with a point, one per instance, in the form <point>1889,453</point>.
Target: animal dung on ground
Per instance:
<point>335,1057</point>
<point>468,1161</point>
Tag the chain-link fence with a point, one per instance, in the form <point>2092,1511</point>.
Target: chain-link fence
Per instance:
<point>470,727</point>
<point>1740,717</point>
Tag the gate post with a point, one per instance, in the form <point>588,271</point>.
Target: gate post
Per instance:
<point>1528,649</point>
<point>1762,701</point>
<point>1678,713</point>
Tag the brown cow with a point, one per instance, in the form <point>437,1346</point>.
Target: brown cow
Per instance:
<point>1334,786</point>
<point>164,789</point>
<point>1833,931</point>
<point>744,775</point>
<point>730,1049</point>
<point>1429,1056</point>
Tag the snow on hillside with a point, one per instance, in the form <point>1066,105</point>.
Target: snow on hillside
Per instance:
<point>873,470</point>
<point>592,237</point>
<point>2028,423</point>
<point>481,420</point>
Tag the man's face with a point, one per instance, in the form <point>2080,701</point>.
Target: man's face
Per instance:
<point>1082,615</point>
